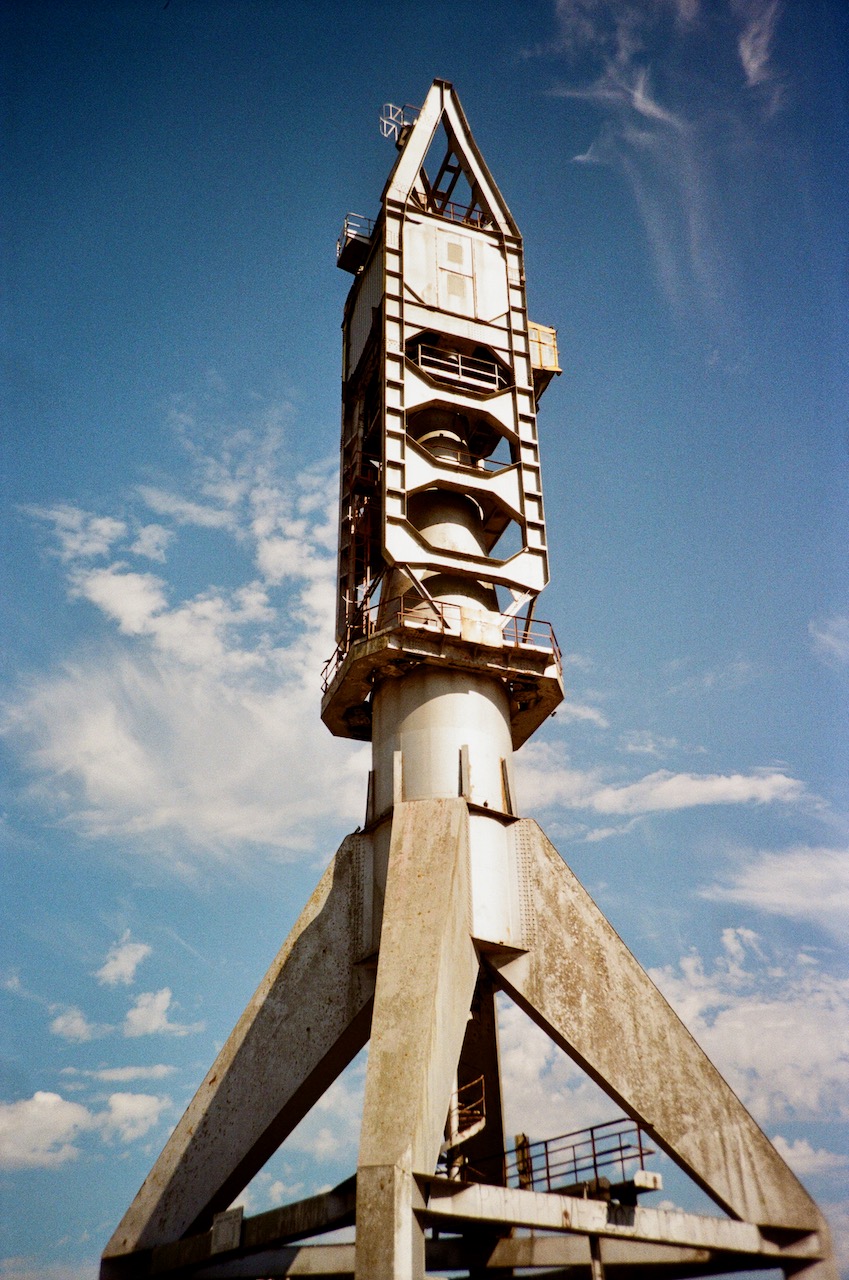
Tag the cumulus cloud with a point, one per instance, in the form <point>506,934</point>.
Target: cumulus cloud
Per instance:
<point>331,1130</point>
<point>776,1025</point>
<point>800,883</point>
<point>42,1132</point>
<point>72,1024</point>
<point>122,961</point>
<point>131,1115</point>
<point>149,1016</point>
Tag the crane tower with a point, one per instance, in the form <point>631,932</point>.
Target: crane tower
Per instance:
<point>446,895</point>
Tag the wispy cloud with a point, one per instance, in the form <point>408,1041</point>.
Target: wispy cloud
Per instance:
<point>152,541</point>
<point>800,883</point>
<point>123,1075</point>
<point>79,534</point>
<point>178,723</point>
<point>546,778</point>
<point>830,638</point>
<point>672,143</point>
<point>758,19</point>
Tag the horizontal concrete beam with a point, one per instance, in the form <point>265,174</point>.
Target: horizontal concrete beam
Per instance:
<point>315,1260</point>
<point>452,1202</point>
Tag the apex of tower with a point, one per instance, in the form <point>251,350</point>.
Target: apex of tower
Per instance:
<point>442,546</point>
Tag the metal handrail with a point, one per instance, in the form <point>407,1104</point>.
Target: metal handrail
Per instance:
<point>469,214</point>
<point>355,227</point>
<point>443,618</point>
<point>459,367</point>
<point>577,1159</point>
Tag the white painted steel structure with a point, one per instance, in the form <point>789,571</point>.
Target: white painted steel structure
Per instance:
<point>446,895</point>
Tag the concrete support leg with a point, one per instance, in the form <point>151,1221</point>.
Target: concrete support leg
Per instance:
<point>426,978</point>
<point>581,984</point>
<point>390,1237</point>
<point>309,1017</point>
<point>596,1264</point>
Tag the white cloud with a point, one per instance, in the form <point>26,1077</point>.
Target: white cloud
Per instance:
<point>122,961</point>
<point>80,534</point>
<point>184,511</point>
<point>123,1075</point>
<point>130,599</point>
<point>776,1026</point>
<point>569,710</point>
<point>830,637</point>
<point>674,149</point>
<point>643,742</point>
<point>755,41</point>
<point>72,1024</point>
<point>131,1115</point>
<point>152,541</point>
<point>180,730</point>
<point>149,1016</point>
<point>40,1132</point>
<point>807,1162</point>
<point>800,883</point>
<point>331,1130</point>
<point>545,780</point>
<point>545,1093</point>
<point>665,791</point>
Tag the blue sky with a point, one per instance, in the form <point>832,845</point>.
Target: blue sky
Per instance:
<point>177,173</point>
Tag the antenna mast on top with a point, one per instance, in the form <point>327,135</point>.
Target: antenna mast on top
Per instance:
<point>395,120</point>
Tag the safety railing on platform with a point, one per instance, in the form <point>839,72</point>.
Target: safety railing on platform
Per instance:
<point>442,618</point>
<point>578,1161</point>
<point>355,227</point>
<point>482,375</point>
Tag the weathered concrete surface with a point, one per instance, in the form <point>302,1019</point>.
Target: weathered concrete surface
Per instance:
<point>582,985</point>
<point>390,1241</point>
<point>309,1017</point>
<point>453,1203</point>
<point>426,978</point>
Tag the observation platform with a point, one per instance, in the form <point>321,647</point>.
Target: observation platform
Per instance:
<point>522,653</point>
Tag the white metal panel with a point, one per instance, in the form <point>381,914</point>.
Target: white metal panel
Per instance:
<point>490,280</point>
<point>420,260</point>
<point>369,296</point>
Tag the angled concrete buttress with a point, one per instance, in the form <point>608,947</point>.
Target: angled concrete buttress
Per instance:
<point>447,896</point>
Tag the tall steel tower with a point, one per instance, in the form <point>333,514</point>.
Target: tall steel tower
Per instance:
<point>446,896</point>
